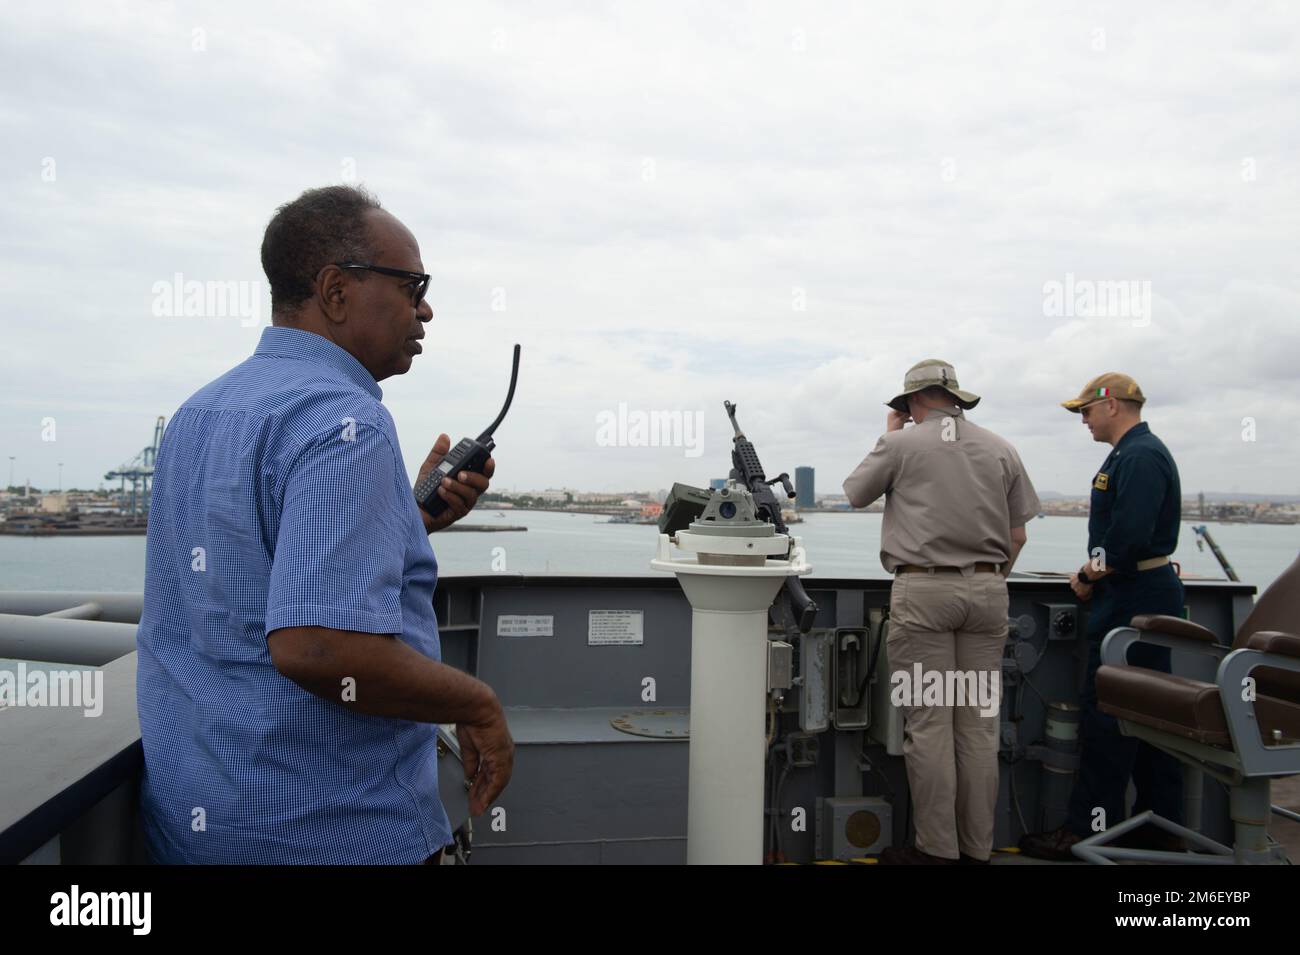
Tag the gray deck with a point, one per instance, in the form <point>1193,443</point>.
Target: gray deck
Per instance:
<point>583,791</point>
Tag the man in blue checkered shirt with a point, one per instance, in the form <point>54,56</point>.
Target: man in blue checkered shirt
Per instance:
<point>289,677</point>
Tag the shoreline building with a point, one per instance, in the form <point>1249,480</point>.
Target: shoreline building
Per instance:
<point>804,496</point>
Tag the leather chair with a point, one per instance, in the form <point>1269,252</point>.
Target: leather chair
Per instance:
<point>1243,729</point>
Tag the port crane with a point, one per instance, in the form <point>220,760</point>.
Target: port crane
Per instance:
<point>139,471</point>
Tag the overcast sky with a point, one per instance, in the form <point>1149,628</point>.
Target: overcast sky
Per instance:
<point>668,206</point>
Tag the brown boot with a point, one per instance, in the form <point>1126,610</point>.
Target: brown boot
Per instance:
<point>1054,846</point>
<point>910,855</point>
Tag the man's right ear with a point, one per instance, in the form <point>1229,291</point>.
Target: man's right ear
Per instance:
<point>332,293</point>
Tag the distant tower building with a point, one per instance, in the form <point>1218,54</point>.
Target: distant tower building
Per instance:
<point>803,488</point>
<point>1200,500</point>
<point>717,483</point>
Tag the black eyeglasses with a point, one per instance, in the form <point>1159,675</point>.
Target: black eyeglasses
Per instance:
<point>418,284</point>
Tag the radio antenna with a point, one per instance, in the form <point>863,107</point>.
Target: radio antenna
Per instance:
<point>510,396</point>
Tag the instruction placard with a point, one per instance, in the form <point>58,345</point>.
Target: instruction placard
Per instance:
<point>525,625</point>
<point>615,628</point>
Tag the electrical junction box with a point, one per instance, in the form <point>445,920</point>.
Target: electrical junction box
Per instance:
<point>815,680</point>
<point>851,655</point>
<point>849,827</point>
<point>780,665</point>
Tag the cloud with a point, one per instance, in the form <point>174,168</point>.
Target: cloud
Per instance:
<point>670,206</point>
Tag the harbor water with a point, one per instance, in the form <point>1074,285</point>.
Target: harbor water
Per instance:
<point>838,544</point>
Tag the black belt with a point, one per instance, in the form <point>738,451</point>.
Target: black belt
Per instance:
<point>980,568</point>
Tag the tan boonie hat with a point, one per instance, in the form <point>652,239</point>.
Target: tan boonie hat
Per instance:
<point>930,372</point>
<point>1110,385</point>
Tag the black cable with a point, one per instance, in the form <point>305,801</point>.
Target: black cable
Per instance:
<point>777,812</point>
<point>1026,682</point>
<point>871,671</point>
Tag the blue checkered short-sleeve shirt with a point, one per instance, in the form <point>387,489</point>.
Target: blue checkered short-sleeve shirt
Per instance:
<point>280,500</point>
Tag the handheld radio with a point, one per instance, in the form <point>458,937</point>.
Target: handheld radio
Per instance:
<point>469,454</point>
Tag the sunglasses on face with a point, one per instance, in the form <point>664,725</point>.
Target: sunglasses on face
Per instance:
<point>418,282</point>
<point>1084,410</point>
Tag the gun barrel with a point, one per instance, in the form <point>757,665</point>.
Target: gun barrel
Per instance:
<point>731,413</point>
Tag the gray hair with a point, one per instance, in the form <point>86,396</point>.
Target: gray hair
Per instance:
<point>321,227</point>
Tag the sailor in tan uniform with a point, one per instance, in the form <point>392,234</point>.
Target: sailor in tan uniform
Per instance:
<point>957,499</point>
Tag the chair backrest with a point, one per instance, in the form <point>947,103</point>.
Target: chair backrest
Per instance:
<point>1278,607</point>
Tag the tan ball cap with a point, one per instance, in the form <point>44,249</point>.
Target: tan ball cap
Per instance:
<point>1110,385</point>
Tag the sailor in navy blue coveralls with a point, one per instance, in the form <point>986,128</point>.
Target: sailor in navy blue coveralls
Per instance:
<point>1134,517</point>
<point>1132,531</point>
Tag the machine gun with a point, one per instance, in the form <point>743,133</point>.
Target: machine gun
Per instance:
<point>747,471</point>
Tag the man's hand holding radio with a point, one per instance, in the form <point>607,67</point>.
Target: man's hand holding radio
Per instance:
<point>461,491</point>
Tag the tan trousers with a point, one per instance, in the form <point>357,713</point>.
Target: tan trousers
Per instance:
<point>950,622</point>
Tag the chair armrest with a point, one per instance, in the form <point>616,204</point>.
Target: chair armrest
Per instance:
<point>1275,641</point>
<point>1174,627</point>
<point>1115,646</point>
<point>1257,759</point>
